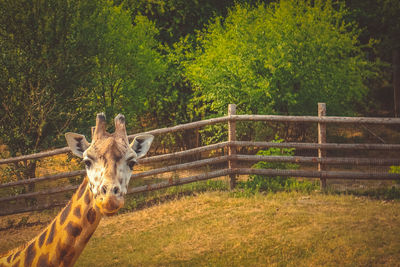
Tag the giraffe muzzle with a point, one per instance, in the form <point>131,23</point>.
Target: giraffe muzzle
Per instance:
<point>109,205</point>
<point>109,199</point>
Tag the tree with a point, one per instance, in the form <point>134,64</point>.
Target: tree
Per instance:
<point>43,67</point>
<point>380,22</point>
<point>176,19</point>
<point>127,63</point>
<point>280,58</point>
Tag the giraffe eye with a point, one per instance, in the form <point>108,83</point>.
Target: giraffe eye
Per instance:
<point>131,164</point>
<point>88,163</point>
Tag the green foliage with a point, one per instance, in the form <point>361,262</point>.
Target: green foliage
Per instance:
<point>42,67</point>
<point>395,169</point>
<point>126,63</point>
<point>284,57</point>
<point>177,18</point>
<point>257,183</point>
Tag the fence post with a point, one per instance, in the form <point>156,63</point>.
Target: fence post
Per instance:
<point>232,149</point>
<point>322,140</point>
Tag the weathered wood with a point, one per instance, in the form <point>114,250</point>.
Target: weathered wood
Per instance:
<point>183,166</point>
<point>63,150</point>
<point>40,193</point>
<point>231,149</point>
<point>180,181</point>
<point>197,124</point>
<point>330,160</point>
<point>345,175</point>
<point>32,208</point>
<point>141,161</point>
<point>330,146</point>
<point>36,155</point>
<point>181,154</point>
<point>326,119</point>
<point>186,126</point>
<point>396,80</point>
<point>45,178</point>
<point>321,140</point>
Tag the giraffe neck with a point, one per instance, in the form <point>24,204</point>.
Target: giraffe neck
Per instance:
<point>64,239</point>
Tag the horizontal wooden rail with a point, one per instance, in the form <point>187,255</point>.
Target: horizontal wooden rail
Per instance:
<point>41,193</point>
<point>181,127</point>
<point>141,161</point>
<point>179,181</point>
<point>331,160</point>
<point>316,174</point>
<point>33,208</point>
<point>44,154</point>
<point>44,178</point>
<point>139,189</point>
<point>197,124</point>
<point>330,146</point>
<point>181,154</point>
<point>183,166</point>
<point>325,119</point>
<point>172,129</point>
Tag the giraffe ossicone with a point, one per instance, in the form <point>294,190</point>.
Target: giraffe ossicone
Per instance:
<point>109,160</point>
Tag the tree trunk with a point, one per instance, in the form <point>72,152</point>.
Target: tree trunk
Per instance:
<point>396,81</point>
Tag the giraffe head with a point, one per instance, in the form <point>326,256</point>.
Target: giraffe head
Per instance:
<point>109,161</point>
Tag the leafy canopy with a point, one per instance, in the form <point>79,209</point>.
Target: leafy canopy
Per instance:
<point>280,58</point>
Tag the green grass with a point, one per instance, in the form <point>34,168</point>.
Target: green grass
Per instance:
<point>218,229</point>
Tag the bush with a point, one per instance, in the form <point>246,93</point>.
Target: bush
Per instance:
<point>257,183</point>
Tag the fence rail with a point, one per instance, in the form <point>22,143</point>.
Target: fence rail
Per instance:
<point>232,158</point>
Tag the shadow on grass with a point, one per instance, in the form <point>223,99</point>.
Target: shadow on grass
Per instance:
<point>384,193</point>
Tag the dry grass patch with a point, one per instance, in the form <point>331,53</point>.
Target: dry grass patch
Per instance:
<point>283,229</point>
<point>216,229</point>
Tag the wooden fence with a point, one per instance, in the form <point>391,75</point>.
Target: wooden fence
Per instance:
<point>233,169</point>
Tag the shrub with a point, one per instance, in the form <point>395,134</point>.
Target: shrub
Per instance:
<point>257,183</point>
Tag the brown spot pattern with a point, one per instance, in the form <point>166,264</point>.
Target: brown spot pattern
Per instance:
<point>16,254</point>
<point>91,215</point>
<point>16,264</point>
<point>66,254</point>
<point>43,261</point>
<point>87,198</point>
<point>81,189</point>
<point>41,239</point>
<point>77,211</point>
<point>64,213</point>
<point>88,238</point>
<point>51,234</point>
<point>9,258</point>
<point>30,254</point>
<point>73,229</point>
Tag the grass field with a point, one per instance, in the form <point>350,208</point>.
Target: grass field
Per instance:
<point>219,229</point>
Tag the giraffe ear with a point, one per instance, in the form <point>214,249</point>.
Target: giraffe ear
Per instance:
<point>141,144</point>
<point>77,143</point>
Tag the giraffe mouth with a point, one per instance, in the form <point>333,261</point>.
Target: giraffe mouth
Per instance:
<point>110,205</point>
<point>108,214</point>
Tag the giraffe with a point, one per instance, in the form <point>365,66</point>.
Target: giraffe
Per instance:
<point>109,161</point>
